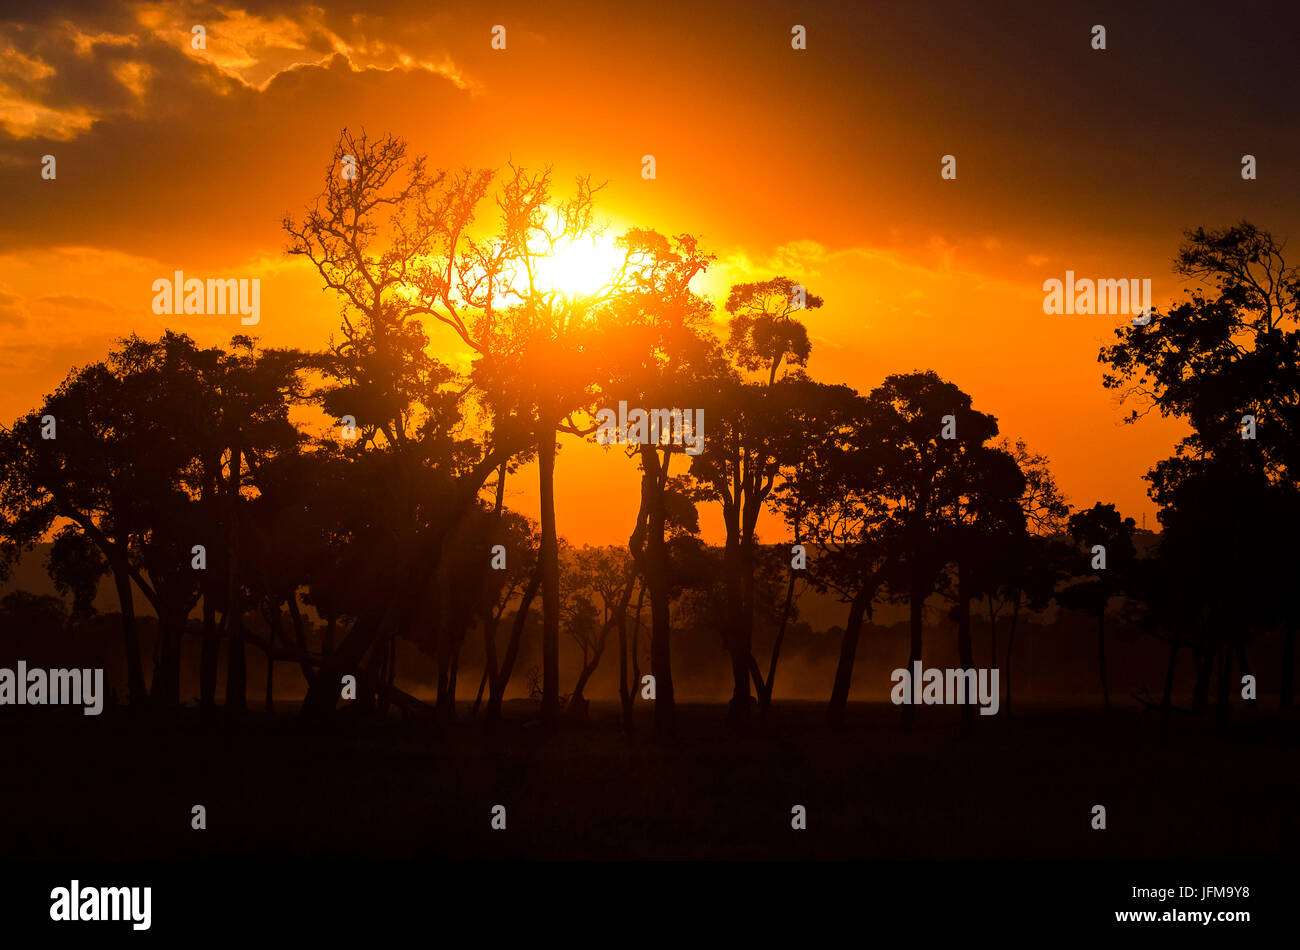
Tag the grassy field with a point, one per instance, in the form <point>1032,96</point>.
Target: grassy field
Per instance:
<point>1022,787</point>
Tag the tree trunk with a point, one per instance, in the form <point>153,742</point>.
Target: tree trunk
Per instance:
<point>1101,654</point>
<point>743,714</point>
<point>210,656</point>
<point>369,633</point>
<point>275,627</point>
<point>628,690</point>
<point>497,686</point>
<point>300,636</point>
<point>766,687</point>
<point>993,635</point>
<point>734,637</point>
<point>578,702</point>
<point>491,618</point>
<point>452,675</point>
<point>844,669</point>
<point>236,666</point>
<point>137,692</point>
<point>1167,700</point>
<point>916,618</point>
<point>636,647</point>
<point>1011,641</point>
<point>323,694</point>
<point>657,581</point>
<point>236,669</point>
<point>478,697</point>
<point>550,564</point>
<point>490,625</point>
<point>446,637</point>
<point>166,691</point>
<point>623,693</point>
<point>388,676</point>
<point>965,649</point>
<point>210,653</point>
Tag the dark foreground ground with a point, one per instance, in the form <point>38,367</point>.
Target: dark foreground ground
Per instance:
<point>77,787</point>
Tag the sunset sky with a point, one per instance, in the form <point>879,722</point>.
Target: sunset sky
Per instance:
<point>821,165</point>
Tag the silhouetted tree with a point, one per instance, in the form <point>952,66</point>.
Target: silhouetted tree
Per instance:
<point>1225,360</point>
<point>656,356</point>
<point>921,477</point>
<point>112,464</point>
<point>518,584</point>
<point>608,574</point>
<point>530,338</point>
<point>381,239</point>
<point>750,444</point>
<point>1099,533</point>
<point>831,492</point>
<point>1021,566</point>
<point>76,566</point>
<point>982,513</point>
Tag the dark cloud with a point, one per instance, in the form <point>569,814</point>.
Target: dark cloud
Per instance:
<point>159,144</point>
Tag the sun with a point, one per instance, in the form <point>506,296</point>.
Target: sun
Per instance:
<point>579,266</point>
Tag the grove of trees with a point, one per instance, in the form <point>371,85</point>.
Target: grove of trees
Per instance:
<point>365,485</point>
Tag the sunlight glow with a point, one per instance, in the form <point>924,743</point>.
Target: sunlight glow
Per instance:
<point>579,267</point>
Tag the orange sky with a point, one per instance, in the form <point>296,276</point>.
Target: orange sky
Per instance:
<point>822,165</point>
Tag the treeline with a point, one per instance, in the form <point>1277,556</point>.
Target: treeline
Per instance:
<point>187,476</point>
<point>1054,651</point>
